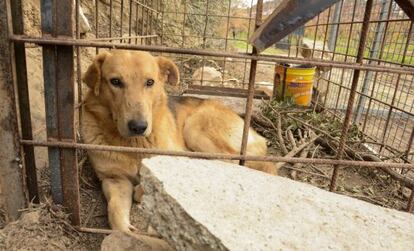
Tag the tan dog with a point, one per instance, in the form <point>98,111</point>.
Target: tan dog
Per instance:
<point>127,106</point>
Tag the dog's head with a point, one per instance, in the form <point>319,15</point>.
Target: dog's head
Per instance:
<point>131,85</point>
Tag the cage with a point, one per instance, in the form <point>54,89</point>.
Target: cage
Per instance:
<point>363,51</point>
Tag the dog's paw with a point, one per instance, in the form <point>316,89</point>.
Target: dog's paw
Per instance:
<point>132,228</point>
<point>138,193</point>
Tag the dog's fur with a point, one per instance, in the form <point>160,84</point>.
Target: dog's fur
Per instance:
<point>175,123</point>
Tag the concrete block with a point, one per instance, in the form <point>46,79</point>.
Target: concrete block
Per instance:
<point>212,205</point>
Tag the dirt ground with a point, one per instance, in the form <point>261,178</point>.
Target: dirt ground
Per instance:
<point>46,227</point>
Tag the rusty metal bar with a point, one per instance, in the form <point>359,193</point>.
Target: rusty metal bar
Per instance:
<point>201,52</point>
<point>110,17</point>
<point>70,145</point>
<point>58,65</point>
<point>78,62</point>
<point>130,20</point>
<point>121,31</point>
<point>121,38</point>
<point>252,80</point>
<point>223,91</point>
<point>346,53</point>
<point>23,100</point>
<point>371,98</point>
<point>365,58</point>
<point>360,22</point>
<point>97,22</point>
<point>352,94</point>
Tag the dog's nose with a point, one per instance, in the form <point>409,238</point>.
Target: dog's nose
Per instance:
<point>137,127</point>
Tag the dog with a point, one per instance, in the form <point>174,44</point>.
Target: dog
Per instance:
<point>126,105</point>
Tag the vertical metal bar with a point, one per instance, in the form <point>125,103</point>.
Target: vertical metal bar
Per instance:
<point>183,27</point>
<point>78,62</point>
<point>97,22</point>
<point>333,31</point>
<point>373,54</point>
<point>252,78</point>
<point>226,43</point>
<point>130,21</point>
<point>136,24</point>
<point>24,102</point>
<point>122,20</point>
<point>49,72</point>
<point>58,65</point>
<point>346,54</point>
<point>149,26</point>
<point>335,41</point>
<point>12,191</point>
<point>203,65</point>
<point>347,120</point>
<point>110,17</point>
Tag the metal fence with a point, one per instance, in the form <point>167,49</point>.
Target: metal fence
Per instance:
<point>368,46</point>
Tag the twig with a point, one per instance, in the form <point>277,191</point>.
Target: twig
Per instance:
<point>369,157</point>
<point>291,138</point>
<point>110,231</point>
<point>278,133</point>
<point>295,151</point>
<point>91,211</point>
<point>367,199</point>
<point>308,172</point>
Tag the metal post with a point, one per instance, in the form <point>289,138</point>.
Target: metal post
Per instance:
<point>333,31</point>
<point>373,54</point>
<point>347,120</point>
<point>252,79</point>
<point>58,66</point>
<point>23,100</point>
<point>12,196</point>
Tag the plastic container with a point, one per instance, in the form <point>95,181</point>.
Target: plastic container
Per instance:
<point>294,82</point>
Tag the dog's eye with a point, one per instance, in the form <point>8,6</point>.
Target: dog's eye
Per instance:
<point>150,82</point>
<point>116,82</point>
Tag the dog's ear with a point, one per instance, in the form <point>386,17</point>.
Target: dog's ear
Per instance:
<point>168,70</point>
<point>92,77</point>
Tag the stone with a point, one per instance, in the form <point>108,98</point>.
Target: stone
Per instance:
<point>209,75</point>
<point>119,241</point>
<point>406,192</point>
<point>213,205</point>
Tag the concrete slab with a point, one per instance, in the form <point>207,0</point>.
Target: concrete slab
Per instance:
<point>212,205</point>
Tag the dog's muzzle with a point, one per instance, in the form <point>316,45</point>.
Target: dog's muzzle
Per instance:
<point>137,127</point>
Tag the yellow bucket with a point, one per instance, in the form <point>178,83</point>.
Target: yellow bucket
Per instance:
<point>294,82</point>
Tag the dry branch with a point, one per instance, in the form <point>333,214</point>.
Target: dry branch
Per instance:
<point>369,157</point>
<point>297,150</point>
<point>278,133</point>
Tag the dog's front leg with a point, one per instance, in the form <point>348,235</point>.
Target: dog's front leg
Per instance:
<point>118,193</point>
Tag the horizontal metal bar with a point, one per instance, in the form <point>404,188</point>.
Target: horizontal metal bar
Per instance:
<point>121,38</point>
<point>369,97</point>
<point>359,22</point>
<point>365,58</point>
<point>203,52</point>
<point>209,14</point>
<point>62,144</point>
